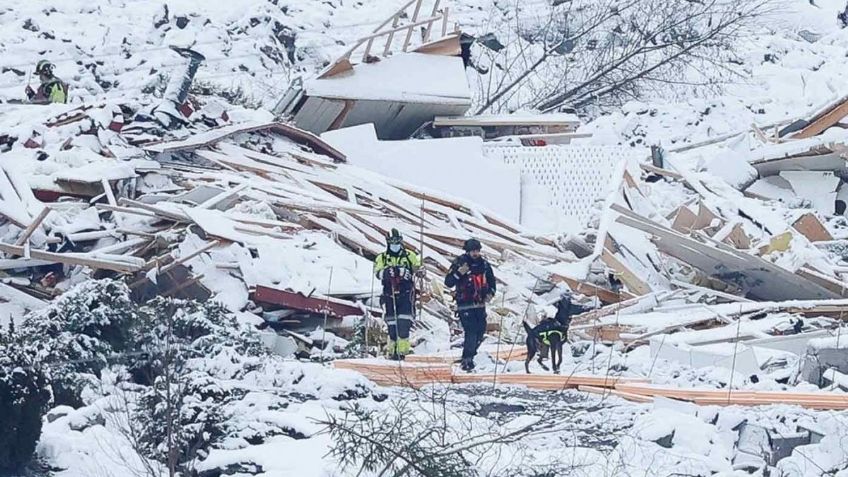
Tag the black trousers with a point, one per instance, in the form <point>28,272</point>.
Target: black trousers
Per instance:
<point>399,314</point>
<point>473,323</point>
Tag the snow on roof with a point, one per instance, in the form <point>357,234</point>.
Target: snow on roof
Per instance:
<point>408,77</point>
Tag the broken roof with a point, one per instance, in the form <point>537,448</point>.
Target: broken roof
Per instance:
<point>404,77</point>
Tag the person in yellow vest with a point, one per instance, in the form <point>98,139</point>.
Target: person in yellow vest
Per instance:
<point>396,268</point>
<point>51,89</point>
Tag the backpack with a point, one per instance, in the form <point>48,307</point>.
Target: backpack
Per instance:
<point>473,287</point>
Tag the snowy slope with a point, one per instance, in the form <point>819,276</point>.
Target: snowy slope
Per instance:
<point>120,49</point>
<point>784,76</point>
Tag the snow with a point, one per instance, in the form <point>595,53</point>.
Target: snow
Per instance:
<point>453,165</point>
<point>117,43</point>
<point>517,118</point>
<point>404,77</point>
<point>733,169</point>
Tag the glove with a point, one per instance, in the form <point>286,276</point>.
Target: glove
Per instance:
<point>490,297</point>
<point>463,269</point>
<point>29,92</point>
<point>421,273</point>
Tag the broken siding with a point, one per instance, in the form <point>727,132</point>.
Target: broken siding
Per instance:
<point>575,177</point>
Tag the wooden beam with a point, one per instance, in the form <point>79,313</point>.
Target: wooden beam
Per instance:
<point>824,121</point>
<point>605,295</point>
<point>32,226</point>
<point>635,284</point>
<point>165,214</point>
<point>107,189</point>
<point>126,210</point>
<point>333,307</point>
<point>209,246</point>
<point>119,264</point>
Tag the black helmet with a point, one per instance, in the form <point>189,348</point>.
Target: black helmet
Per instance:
<point>44,67</point>
<point>394,237</point>
<point>471,244</point>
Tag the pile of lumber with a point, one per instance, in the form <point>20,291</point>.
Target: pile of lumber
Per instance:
<point>720,397</point>
<point>545,382</point>
<point>416,374</point>
<point>507,352</point>
<point>409,374</point>
<point>393,374</point>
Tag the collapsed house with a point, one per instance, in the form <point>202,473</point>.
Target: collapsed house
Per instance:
<point>397,91</point>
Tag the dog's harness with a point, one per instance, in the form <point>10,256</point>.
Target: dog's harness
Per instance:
<point>545,336</point>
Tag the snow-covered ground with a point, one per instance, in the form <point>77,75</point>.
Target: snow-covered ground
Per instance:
<point>120,49</point>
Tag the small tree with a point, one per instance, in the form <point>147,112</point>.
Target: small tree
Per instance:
<point>76,335</point>
<point>179,413</point>
<point>24,395</point>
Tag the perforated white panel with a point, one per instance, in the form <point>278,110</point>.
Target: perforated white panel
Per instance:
<point>575,177</point>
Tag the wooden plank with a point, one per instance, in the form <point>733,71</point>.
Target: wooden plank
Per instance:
<point>634,284</point>
<point>117,263</point>
<point>316,304</point>
<point>662,172</point>
<point>811,227</point>
<point>314,142</point>
<point>684,220</point>
<point>546,381</point>
<point>126,210</point>
<point>107,189</point>
<point>832,284</point>
<point>223,196</point>
<point>605,295</point>
<point>640,398</point>
<point>165,214</point>
<point>209,246</point>
<point>343,235</point>
<point>208,138</point>
<point>824,120</point>
<point>36,222</point>
<point>644,303</point>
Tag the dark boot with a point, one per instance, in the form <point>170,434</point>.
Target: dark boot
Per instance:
<point>467,365</point>
<point>463,365</point>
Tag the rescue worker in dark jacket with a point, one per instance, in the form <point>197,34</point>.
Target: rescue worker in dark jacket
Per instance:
<point>396,268</point>
<point>475,285</point>
<point>51,89</point>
